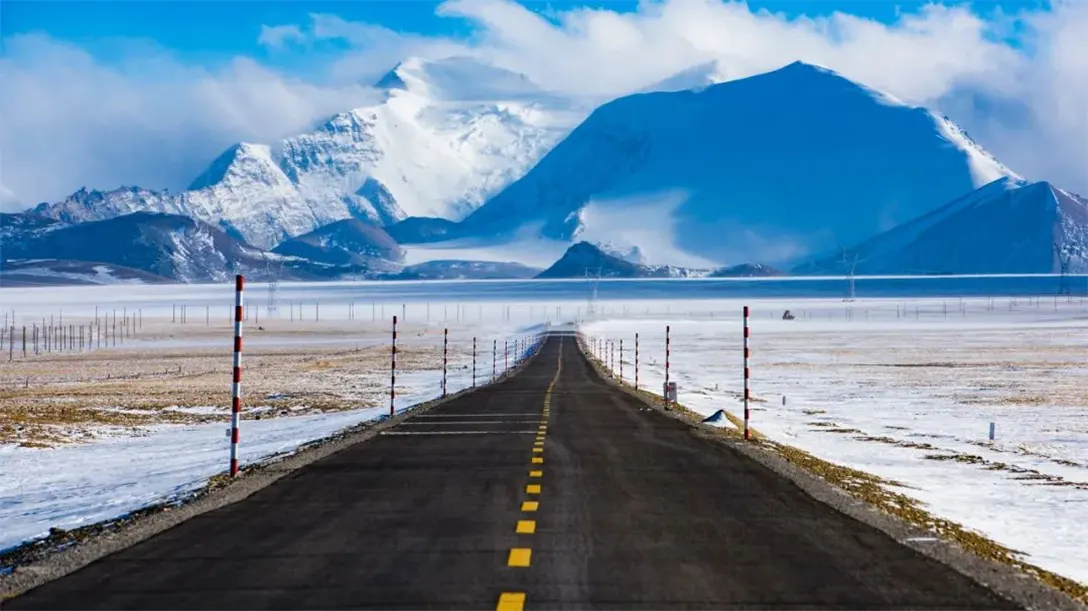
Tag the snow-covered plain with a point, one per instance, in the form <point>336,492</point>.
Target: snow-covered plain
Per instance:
<point>906,390</point>
<point>866,384</point>
<point>116,469</point>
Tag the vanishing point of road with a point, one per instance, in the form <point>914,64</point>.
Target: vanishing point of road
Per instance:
<point>550,489</point>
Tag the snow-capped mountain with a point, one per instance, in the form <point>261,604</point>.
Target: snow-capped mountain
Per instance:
<point>773,167</point>
<point>432,147</point>
<point>1006,227</point>
<point>165,245</point>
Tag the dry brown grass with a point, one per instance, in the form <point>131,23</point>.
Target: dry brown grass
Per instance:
<point>55,399</point>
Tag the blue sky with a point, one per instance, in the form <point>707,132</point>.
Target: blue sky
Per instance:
<point>210,32</point>
<point>147,92</point>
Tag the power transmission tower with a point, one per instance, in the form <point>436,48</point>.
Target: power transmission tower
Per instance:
<point>849,265</point>
<point>273,287</point>
<point>591,305</point>
<point>1063,268</point>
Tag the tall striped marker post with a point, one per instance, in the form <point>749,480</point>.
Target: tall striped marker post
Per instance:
<point>747,378</point>
<point>236,385</point>
<point>505,356</point>
<point>445,357</point>
<point>474,362</point>
<point>494,349</point>
<point>666,389</point>
<point>393,371</point>
<point>636,361</point>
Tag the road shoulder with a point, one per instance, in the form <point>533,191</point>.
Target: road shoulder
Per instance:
<point>852,493</point>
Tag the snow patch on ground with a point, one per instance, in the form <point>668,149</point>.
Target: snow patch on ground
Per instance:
<point>908,399</point>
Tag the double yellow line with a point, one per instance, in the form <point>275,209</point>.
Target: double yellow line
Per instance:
<point>521,557</point>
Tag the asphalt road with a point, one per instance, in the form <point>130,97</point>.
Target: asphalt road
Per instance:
<point>548,490</point>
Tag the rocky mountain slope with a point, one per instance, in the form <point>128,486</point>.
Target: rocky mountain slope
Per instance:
<point>1006,227</point>
<point>584,259</point>
<point>346,242</point>
<point>165,245</point>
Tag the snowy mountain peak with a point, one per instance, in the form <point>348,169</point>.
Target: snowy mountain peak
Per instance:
<point>457,79</point>
<point>773,167</point>
<point>240,162</point>
<point>696,77</point>
<point>428,149</point>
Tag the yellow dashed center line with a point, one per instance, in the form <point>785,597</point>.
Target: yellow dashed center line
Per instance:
<point>511,601</point>
<point>521,556</point>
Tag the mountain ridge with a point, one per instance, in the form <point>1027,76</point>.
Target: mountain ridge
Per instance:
<point>407,155</point>
<point>770,157</point>
<point>1030,228</point>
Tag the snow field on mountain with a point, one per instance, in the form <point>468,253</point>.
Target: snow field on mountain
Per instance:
<point>908,397</point>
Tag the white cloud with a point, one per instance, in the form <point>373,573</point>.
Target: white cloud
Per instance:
<point>278,36</point>
<point>67,120</point>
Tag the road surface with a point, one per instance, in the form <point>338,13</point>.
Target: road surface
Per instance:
<point>548,490</point>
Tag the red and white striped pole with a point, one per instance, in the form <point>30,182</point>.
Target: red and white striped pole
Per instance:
<point>236,386</point>
<point>474,362</point>
<point>747,387</point>
<point>505,356</point>
<point>494,350</point>
<point>636,361</point>
<point>666,367</point>
<point>393,371</point>
<point>445,357</point>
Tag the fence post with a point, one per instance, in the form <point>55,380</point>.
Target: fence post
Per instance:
<point>612,359</point>
<point>393,371</point>
<point>666,389</point>
<point>636,361</point>
<point>236,386</point>
<point>445,357</point>
<point>747,391</point>
<point>474,362</point>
